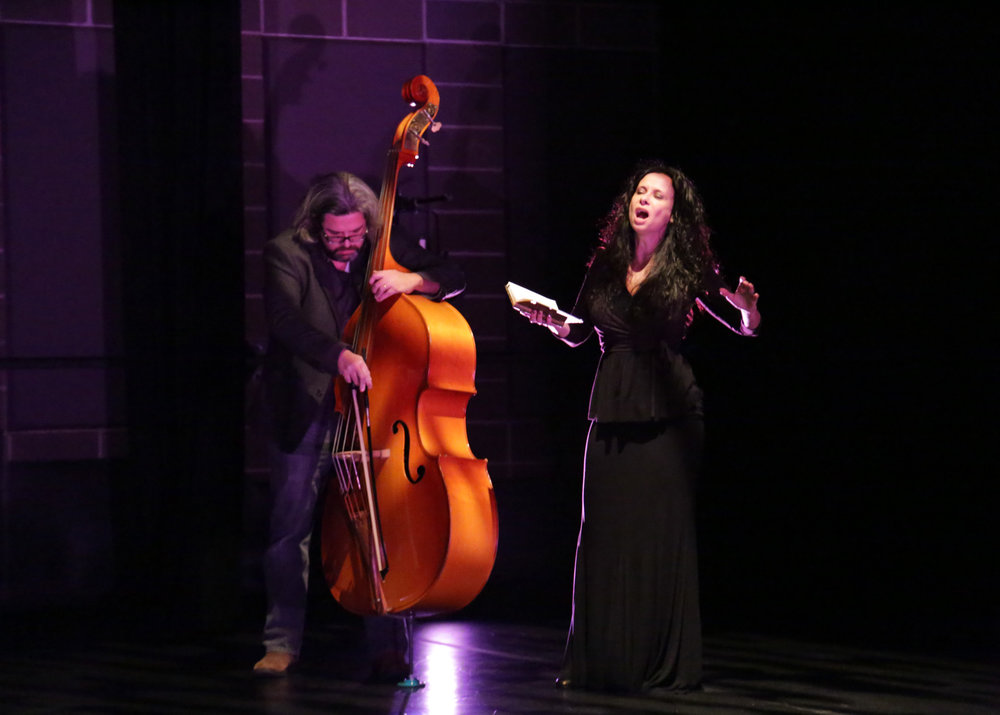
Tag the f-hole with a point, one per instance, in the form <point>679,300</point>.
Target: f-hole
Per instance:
<point>406,452</point>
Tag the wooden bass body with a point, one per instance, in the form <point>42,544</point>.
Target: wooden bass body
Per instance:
<point>436,507</point>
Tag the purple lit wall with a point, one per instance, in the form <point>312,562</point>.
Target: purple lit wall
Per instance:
<point>526,111</point>
<point>61,389</point>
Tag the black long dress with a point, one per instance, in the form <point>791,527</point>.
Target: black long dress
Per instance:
<point>636,622</point>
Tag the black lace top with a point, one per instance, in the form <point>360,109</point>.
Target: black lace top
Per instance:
<point>642,374</point>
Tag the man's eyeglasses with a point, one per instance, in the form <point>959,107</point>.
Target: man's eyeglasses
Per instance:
<point>358,235</point>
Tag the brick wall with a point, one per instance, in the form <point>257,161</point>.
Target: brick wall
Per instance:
<point>503,69</point>
<point>537,130</point>
<point>61,410</point>
<point>67,352</point>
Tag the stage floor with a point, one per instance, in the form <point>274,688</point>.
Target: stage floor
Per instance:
<point>468,666</point>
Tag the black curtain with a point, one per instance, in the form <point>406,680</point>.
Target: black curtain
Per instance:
<point>178,503</point>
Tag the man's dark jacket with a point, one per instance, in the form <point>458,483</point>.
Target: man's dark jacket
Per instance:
<point>306,329</point>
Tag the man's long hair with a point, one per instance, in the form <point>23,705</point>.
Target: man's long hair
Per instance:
<point>338,193</point>
<point>681,261</point>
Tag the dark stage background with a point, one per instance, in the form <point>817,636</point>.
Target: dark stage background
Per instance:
<point>847,158</point>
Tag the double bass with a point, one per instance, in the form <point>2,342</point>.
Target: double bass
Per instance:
<point>410,522</point>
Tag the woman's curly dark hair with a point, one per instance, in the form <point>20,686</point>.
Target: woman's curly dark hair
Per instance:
<point>682,260</point>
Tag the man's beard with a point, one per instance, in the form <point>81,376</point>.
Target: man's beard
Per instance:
<point>342,254</point>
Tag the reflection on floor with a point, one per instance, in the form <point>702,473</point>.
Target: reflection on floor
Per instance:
<point>474,667</point>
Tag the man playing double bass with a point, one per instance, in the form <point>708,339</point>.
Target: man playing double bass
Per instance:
<point>315,273</point>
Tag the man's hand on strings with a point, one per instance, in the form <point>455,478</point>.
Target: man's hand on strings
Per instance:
<point>353,369</point>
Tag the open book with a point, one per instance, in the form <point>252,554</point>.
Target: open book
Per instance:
<point>526,301</point>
